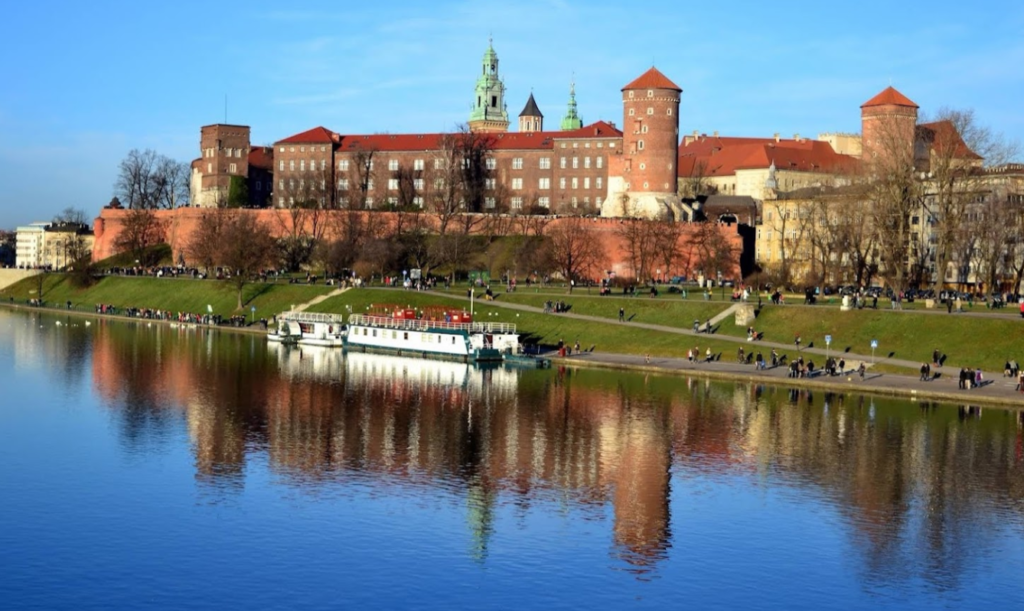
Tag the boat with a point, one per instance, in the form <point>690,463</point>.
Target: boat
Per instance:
<point>434,332</point>
<point>528,361</point>
<point>309,329</point>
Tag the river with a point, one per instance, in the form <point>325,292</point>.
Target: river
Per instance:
<point>144,466</point>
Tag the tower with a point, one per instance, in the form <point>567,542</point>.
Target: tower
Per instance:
<point>571,120</point>
<point>531,119</point>
<point>888,127</point>
<point>642,182</point>
<point>225,154</point>
<point>489,113</point>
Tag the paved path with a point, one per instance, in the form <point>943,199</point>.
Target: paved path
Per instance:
<point>316,300</point>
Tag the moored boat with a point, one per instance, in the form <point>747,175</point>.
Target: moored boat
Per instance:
<point>309,329</point>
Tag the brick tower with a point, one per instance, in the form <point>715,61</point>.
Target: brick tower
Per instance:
<point>531,119</point>
<point>888,126</point>
<point>642,181</point>
<point>225,153</point>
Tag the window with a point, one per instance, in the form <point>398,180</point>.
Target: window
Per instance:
<point>302,165</point>
<point>343,165</point>
<point>323,164</point>
<point>517,203</point>
<point>630,94</point>
<point>586,162</point>
<point>369,184</point>
<point>438,183</point>
<point>488,202</point>
<point>575,144</point>
<point>586,182</point>
<point>417,164</point>
<point>392,184</point>
<point>575,162</point>
<point>517,163</point>
<point>632,112</point>
<point>209,168</point>
<point>597,202</point>
<point>343,184</point>
<point>643,166</point>
<point>597,182</point>
<point>233,168</point>
<point>490,183</point>
<point>369,165</point>
<point>575,183</point>
<point>439,164</point>
<point>545,183</point>
<point>643,129</point>
<point>417,184</point>
<point>562,163</point>
<point>650,93</point>
<point>291,165</point>
<point>281,166</point>
<point>545,163</point>
<point>599,162</point>
<point>650,111</point>
<point>417,201</point>
<point>369,202</point>
<point>639,145</point>
<point>281,183</point>
<point>280,200</point>
<point>491,163</point>
<point>280,149</point>
<point>544,201</point>
<point>302,149</point>
<point>669,112</point>
<point>392,201</point>
<point>646,186</point>
<point>561,182</point>
<point>517,183</point>
<point>392,164</point>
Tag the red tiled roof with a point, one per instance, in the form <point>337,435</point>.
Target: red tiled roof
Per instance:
<point>652,79</point>
<point>942,136</point>
<point>261,157</point>
<point>316,135</point>
<point>503,141</point>
<point>724,156</point>
<point>889,97</point>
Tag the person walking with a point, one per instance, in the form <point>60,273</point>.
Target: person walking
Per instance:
<point>707,355</point>
<point>622,314</point>
<point>936,357</point>
<point>924,372</point>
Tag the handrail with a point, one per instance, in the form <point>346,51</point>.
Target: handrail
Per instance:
<point>425,325</point>
<point>314,317</point>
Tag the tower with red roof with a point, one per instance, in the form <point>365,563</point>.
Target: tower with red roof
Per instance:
<point>643,180</point>
<point>888,126</point>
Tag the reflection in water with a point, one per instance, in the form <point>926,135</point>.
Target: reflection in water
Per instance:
<point>923,490</point>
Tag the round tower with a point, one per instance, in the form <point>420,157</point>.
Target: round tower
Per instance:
<point>888,127</point>
<point>643,181</point>
<point>531,119</point>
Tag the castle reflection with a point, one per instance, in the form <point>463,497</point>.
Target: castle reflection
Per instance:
<point>920,488</point>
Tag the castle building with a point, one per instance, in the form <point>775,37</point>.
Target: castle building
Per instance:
<point>230,171</point>
<point>531,119</point>
<point>489,112</point>
<point>572,119</point>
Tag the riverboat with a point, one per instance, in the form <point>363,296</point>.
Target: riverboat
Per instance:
<point>309,329</point>
<point>433,332</point>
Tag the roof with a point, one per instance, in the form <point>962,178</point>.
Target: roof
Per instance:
<point>531,110</point>
<point>652,79</point>
<point>317,135</point>
<point>715,157</point>
<point>261,157</point>
<point>889,97</point>
<point>502,141</point>
<point>943,136</point>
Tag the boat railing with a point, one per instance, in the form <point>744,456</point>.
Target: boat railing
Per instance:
<point>313,317</point>
<point>386,322</point>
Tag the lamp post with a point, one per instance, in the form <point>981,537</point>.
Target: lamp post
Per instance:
<point>720,284</point>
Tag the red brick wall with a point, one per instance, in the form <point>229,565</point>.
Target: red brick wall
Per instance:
<point>650,133</point>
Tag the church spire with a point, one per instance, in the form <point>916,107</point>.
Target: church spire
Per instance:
<point>572,118</point>
<point>489,113</point>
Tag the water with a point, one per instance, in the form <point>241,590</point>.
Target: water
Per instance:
<point>148,467</point>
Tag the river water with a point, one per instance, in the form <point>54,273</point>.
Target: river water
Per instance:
<point>150,467</point>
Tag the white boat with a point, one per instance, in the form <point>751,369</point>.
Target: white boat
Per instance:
<point>448,335</point>
<point>309,329</point>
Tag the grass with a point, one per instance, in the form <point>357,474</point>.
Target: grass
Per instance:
<point>545,329</point>
<point>183,295</point>
<point>659,311</point>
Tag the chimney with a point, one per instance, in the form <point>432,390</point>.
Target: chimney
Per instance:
<point>776,136</point>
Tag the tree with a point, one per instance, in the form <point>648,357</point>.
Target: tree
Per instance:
<point>457,178</point>
<point>247,247</point>
<point>204,247</point>
<point>140,230</point>
<point>574,251</point>
<point>149,180</point>
<point>70,215</point>
<point>713,254</point>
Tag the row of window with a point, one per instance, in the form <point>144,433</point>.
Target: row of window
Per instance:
<point>228,152</point>
<point>650,112</point>
<point>490,183</point>
<point>544,163</point>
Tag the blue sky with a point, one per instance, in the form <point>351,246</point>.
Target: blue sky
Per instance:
<point>83,83</point>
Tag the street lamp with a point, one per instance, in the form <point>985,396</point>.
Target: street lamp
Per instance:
<point>720,284</point>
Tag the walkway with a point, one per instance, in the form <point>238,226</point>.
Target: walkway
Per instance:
<point>317,300</point>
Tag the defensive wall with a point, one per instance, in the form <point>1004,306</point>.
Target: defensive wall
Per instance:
<point>180,225</point>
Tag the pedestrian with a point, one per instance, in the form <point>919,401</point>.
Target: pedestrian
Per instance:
<point>861,370</point>
<point>739,355</point>
<point>707,326</point>
<point>696,354</point>
<point>775,358</point>
<point>707,355</point>
<point>936,356</point>
<point>797,342</point>
<point>689,356</point>
<point>977,377</point>
<point>647,358</point>
<point>924,372</point>
<point>622,314</point>
<point>577,346</point>
<point>759,361</point>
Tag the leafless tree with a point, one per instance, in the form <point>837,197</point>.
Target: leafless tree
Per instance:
<point>574,250</point>
<point>204,246</point>
<point>147,179</point>
<point>140,230</point>
<point>246,246</point>
<point>70,215</point>
<point>712,252</point>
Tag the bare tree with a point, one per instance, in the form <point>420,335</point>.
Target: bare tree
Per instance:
<point>574,251</point>
<point>70,215</point>
<point>147,179</point>
<point>247,247</point>
<point>204,247</point>
<point>140,230</point>
<point>713,254</point>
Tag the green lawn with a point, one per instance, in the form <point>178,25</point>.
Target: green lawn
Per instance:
<point>537,327</point>
<point>664,310</point>
<point>184,295</point>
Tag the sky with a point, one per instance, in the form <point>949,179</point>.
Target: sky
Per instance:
<point>83,83</point>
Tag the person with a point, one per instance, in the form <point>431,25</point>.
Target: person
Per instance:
<point>977,377</point>
<point>622,314</point>
<point>775,358</point>
<point>1020,382</point>
<point>962,383</point>
<point>936,356</point>
<point>842,366</point>
<point>759,361</point>
<point>739,355</point>
<point>707,355</point>
<point>861,370</point>
<point>696,354</point>
<point>924,372</point>
<point>707,326</point>
<point>696,325</point>
<point>576,347</point>
<point>797,342</point>
<point>689,355</point>
<point>647,358</point>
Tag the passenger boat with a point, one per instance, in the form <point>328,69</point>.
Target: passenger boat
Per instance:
<point>309,329</point>
<point>434,332</point>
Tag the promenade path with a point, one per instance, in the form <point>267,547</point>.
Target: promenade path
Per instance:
<point>317,300</point>
<point>996,388</point>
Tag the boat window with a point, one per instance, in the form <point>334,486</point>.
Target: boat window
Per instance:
<point>405,336</point>
<point>375,333</point>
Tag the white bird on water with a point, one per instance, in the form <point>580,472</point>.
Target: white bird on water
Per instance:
<point>88,322</point>
<point>58,323</point>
